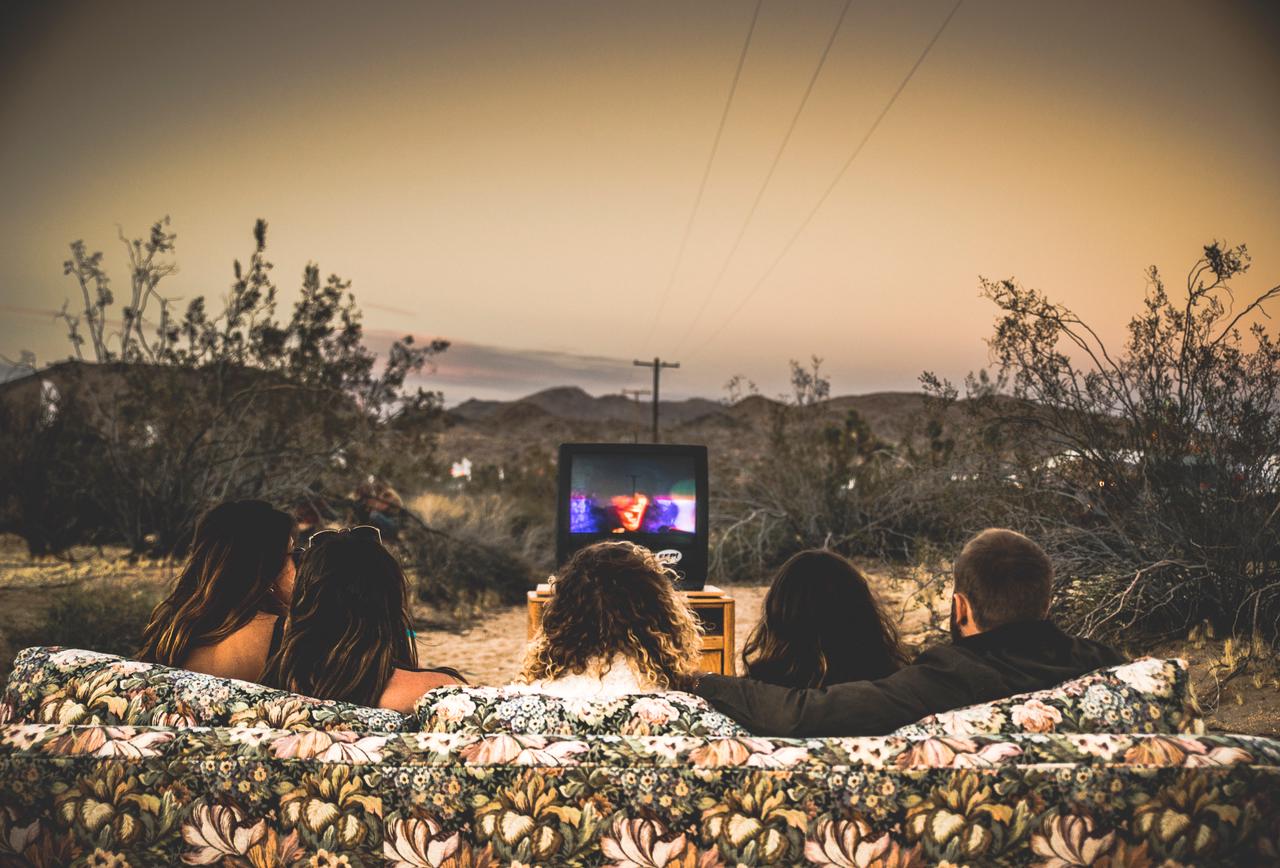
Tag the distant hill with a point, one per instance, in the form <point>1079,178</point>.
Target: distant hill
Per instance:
<point>494,431</point>
<point>884,411</point>
<point>574,404</point>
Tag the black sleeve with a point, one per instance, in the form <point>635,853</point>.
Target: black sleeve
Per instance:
<point>853,708</point>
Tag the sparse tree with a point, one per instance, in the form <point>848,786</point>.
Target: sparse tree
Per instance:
<point>179,413</point>
<point>1152,472</point>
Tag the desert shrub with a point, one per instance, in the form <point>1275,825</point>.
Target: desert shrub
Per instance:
<point>99,617</point>
<point>44,494</point>
<point>1151,472</point>
<point>471,551</point>
<point>493,518</point>
<point>826,481</point>
<point>171,414</point>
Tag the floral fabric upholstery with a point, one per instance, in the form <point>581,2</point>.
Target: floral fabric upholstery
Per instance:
<point>1147,695</point>
<point>57,685</point>
<point>511,709</point>
<point>127,795</point>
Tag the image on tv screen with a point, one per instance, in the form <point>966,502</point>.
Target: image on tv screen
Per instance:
<point>632,494</point>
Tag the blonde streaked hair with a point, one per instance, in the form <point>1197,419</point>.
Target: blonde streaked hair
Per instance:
<point>348,627</point>
<point>615,598</point>
<point>238,552</point>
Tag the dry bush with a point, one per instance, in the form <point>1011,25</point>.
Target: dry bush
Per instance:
<point>487,517</point>
<point>473,551</point>
<point>173,413</point>
<point>1151,472</point>
<point>106,616</point>
<point>824,481</point>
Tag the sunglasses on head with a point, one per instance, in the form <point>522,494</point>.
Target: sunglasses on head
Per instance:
<point>360,531</point>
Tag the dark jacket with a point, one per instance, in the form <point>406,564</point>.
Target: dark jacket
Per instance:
<point>1015,658</point>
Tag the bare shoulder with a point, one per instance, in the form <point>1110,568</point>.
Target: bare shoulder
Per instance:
<point>241,655</point>
<point>407,686</point>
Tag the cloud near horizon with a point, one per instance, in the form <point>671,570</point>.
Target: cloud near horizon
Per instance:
<point>476,370</point>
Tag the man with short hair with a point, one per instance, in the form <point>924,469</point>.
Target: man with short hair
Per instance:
<point>1002,643</point>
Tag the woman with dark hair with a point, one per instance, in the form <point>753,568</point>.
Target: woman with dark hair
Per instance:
<point>614,625</point>
<point>821,625</point>
<point>234,588</point>
<point>348,635</point>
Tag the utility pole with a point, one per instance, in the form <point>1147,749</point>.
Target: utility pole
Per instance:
<point>657,364</point>
<point>626,393</point>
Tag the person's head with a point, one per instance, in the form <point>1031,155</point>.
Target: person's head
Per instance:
<point>238,566</point>
<point>611,599</point>
<point>821,625</point>
<point>348,627</point>
<point>1000,577</point>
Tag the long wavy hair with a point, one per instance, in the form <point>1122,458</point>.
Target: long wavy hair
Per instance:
<point>348,627</point>
<point>238,552</point>
<point>615,598</point>
<point>821,625</point>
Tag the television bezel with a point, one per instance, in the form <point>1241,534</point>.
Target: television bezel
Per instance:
<point>567,543</point>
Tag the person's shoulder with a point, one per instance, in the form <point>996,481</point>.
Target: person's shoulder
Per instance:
<point>942,654</point>
<point>943,663</point>
<point>406,687</point>
<point>241,655</point>
<point>262,623</point>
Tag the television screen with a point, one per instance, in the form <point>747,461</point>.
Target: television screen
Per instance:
<point>640,494</point>
<point>652,494</point>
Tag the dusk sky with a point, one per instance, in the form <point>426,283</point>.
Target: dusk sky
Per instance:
<point>518,177</point>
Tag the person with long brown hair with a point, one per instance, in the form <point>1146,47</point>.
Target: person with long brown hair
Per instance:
<point>348,635</point>
<point>614,625</point>
<point>235,586</point>
<point>821,624</point>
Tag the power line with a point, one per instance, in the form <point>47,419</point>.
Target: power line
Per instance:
<point>834,182</point>
<point>706,174</point>
<point>777,158</point>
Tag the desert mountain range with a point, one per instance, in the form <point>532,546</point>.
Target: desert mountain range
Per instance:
<point>489,431</point>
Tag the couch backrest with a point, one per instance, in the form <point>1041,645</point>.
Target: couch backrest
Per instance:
<point>514,709</point>
<point>60,685</point>
<point>65,685</point>
<point>1148,695</point>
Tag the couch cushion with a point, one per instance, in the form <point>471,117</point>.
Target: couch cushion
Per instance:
<point>1147,695</point>
<point>515,709</point>
<point>64,685</point>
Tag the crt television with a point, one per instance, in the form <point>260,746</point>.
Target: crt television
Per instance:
<point>654,495</point>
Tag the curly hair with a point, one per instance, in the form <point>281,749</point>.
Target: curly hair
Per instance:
<point>615,598</point>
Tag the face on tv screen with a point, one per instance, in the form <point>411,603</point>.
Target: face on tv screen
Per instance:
<point>632,494</point>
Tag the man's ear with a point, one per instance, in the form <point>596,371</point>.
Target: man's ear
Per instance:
<point>965,618</point>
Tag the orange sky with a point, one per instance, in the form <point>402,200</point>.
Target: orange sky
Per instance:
<point>517,177</point>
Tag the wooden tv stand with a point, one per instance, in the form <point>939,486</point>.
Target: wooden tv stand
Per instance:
<point>713,607</point>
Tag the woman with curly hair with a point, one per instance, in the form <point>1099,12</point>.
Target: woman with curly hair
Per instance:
<point>614,625</point>
<point>821,625</point>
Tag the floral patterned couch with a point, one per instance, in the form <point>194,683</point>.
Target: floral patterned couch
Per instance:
<point>80,785</point>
